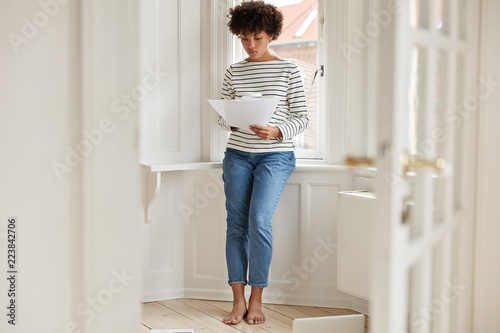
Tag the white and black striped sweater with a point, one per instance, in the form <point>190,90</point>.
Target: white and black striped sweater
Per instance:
<point>278,78</point>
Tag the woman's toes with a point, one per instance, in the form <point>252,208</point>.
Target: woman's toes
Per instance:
<point>236,315</point>
<point>256,320</point>
<point>231,320</point>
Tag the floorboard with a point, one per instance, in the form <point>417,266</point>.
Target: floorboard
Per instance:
<point>206,316</point>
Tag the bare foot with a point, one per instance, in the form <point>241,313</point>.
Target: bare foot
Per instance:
<point>255,315</point>
<point>237,314</point>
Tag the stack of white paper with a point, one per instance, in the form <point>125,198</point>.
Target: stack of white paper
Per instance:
<point>246,111</point>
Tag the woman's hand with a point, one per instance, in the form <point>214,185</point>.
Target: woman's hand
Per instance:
<point>265,132</point>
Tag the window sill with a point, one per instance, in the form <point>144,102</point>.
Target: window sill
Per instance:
<point>185,166</point>
<point>318,166</point>
<point>302,165</point>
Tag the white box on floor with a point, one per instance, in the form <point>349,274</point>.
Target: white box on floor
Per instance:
<point>340,324</point>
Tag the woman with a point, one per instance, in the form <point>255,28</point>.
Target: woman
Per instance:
<point>258,160</point>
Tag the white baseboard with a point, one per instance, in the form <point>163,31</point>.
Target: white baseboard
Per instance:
<point>306,300</point>
<point>340,301</point>
<point>163,295</point>
<point>360,305</point>
<point>209,294</point>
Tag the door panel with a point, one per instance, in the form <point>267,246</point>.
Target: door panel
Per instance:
<point>419,282</point>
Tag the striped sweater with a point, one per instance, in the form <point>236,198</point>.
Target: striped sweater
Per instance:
<point>278,78</point>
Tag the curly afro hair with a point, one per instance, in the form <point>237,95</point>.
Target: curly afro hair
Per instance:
<point>255,16</point>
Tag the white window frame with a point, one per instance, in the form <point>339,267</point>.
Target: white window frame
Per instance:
<point>224,51</point>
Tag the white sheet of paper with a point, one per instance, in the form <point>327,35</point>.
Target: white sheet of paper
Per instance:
<point>246,111</point>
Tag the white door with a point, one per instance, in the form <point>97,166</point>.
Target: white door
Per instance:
<point>426,90</point>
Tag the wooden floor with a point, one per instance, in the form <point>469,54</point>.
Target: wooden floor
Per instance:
<point>206,316</point>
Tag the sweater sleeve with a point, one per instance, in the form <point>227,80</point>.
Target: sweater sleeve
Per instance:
<point>297,119</point>
<point>227,93</point>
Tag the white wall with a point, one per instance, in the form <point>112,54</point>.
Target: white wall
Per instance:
<point>111,174</point>
<point>487,275</point>
<point>185,241</point>
<point>170,114</point>
<point>163,242</point>
<point>39,96</point>
<point>304,220</point>
<point>77,244</point>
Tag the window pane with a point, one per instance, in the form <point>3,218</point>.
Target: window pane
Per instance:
<point>462,24</point>
<point>298,42</point>
<point>417,98</point>
<point>419,13</point>
<point>440,133</point>
<point>457,120</point>
<point>443,16</point>
<point>439,102</point>
<point>419,295</point>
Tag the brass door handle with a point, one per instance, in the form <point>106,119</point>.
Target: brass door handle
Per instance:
<point>359,161</point>
<point>407,163</point>
<point>411,163</point>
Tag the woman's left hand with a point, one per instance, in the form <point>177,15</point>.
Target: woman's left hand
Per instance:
<point>265,132</point>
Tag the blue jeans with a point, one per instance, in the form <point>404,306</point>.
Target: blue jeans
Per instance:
<point>253,183</point>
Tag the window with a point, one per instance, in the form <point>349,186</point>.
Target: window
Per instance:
<point>299,43</point>
<point>330,38</point>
